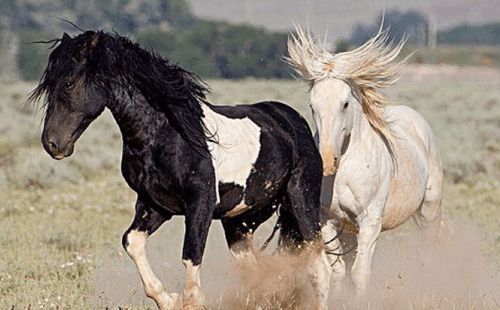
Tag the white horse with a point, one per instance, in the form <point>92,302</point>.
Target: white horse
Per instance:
<point>383,160</point>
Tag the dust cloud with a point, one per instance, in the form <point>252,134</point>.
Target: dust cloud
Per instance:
<point>408,272</point>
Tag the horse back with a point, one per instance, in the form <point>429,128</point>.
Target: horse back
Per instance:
<point>280,122</point>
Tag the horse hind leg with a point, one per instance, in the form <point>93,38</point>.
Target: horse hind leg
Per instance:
<point>300,229</point>
<point>239,232</point>
<point>429,217</point>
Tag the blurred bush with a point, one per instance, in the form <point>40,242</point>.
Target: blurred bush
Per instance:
<point>218,49</point>
<point>32,57</point>
<point>210,49</point>
<point>488,34</point>
<point>412,24</point>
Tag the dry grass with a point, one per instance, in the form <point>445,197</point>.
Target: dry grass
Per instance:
<point>61,222</point>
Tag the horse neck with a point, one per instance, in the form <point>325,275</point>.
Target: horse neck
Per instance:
<point>361,132</point>
<point>136,118</point>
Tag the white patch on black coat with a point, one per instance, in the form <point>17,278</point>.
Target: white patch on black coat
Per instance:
<point>237,149</point>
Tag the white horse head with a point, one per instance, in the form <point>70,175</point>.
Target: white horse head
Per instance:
<point>343,86</point>
<point>334,108</point>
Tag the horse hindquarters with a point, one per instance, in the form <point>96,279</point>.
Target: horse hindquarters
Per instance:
<point>420,135</point>
<point>429,215</point>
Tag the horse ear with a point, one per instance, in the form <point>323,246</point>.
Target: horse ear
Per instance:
<point>87,48</point>
<point>66,37</point>
<point>93,41</point>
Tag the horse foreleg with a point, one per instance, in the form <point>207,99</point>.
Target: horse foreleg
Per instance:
<point>194,298</point>
<point>199,213</point>
<point>146,222</point>
<point>333,249</point>
<point>239,239</point>
<point>369,231</point>
<point>319,272</point>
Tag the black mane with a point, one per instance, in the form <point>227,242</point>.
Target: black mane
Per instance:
<point>111,59</point>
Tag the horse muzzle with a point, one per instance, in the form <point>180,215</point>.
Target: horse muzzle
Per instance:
<point>329,158</point>
<point>329,171</point>
<point>57,150</point>
<point>330,168</point>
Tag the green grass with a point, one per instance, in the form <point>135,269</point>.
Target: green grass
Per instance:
<point>61,222</point>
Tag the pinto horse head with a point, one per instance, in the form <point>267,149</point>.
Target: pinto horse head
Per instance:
<point>92,71</point>
<point>72,97</point>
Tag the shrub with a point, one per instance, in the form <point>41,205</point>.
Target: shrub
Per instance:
<point>217,49</point>
<point>32,57</point>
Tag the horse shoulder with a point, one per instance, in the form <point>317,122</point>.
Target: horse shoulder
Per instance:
<point>404,119</point>
<point>367,163</point>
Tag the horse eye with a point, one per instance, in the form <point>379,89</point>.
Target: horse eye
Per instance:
<point>68,84</point>
<point>346,105</point>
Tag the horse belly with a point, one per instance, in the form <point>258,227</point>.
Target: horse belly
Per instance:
<point>236,200</point>
<point>261,188</point>
<point>407,189</point>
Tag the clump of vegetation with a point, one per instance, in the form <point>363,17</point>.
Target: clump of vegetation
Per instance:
<point>412,24</point>
<point>461,45</point>
<point>211,49</point>
<point>488,34</point>
<point>32,57</point>
<point>218,49</point>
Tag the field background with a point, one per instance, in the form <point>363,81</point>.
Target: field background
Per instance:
<point>61,222</point>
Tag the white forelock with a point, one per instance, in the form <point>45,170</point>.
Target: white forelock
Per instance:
<point>370,65</point>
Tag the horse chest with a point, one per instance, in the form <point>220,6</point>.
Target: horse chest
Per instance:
<point>133,170</point>
<point>143,177</point>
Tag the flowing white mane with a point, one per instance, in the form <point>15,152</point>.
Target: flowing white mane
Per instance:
<point>370,67</point>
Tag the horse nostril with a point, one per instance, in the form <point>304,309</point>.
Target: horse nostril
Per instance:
<point>52,146</point>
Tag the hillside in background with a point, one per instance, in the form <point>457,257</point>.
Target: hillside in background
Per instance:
<point>339,17</point>
<point>245,46</point>
<point>123,15</point>
<point>215,48</point>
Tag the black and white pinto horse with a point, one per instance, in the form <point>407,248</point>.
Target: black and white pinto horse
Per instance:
<point>184,156</point>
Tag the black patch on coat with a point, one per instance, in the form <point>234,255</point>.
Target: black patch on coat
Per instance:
<point>230,196</point>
